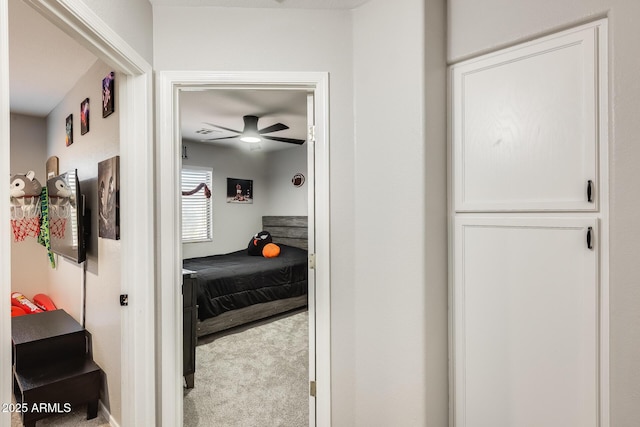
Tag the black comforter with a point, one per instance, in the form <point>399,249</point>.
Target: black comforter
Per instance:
<point>236,280</point>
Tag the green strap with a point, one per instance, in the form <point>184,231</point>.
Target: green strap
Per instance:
<point>44,238</point>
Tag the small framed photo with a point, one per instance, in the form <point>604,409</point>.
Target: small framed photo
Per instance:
<point>84,116</point>
<point>239,190</point>
<point>68,132</point>
<point>108,94</point>
<point>109,198</point>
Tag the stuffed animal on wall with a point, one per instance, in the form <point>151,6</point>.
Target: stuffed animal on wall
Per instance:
<point>61,194</point>
<point>24,185</point>
<point>258,242</point>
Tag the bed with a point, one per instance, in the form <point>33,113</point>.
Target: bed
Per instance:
<point>235,288</point>
<point>224,291</point>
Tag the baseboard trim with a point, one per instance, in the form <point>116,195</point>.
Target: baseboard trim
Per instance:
<point>106,414</point>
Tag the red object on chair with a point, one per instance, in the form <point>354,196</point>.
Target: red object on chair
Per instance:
<point>24,303</point>
<point>17,311</point>
<point>44,302</point>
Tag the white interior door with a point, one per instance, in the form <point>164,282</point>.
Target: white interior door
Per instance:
<point>525,302</point>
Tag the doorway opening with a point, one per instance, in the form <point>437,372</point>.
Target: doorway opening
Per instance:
<point>136,152</point>
<point>170,87</point>
<point>246,340</point>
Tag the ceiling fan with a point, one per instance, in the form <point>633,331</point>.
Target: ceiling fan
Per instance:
<point>252,134</point>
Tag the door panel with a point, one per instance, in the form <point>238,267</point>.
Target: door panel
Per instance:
<point>525,128</point>
<point>526,321</point>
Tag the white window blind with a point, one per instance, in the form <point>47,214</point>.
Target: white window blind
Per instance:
<point>197,216</point>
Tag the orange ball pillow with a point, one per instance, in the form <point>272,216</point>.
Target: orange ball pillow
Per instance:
<point>270,250</point>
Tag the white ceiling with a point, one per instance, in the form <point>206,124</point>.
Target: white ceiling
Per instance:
<point>226,107</point>
<point>44,62</point>
<point>292,4</point>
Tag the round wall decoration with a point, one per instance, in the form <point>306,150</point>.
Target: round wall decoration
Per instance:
<point>298,180</point>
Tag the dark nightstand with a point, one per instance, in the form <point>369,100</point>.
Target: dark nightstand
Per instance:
<point>189,321</point>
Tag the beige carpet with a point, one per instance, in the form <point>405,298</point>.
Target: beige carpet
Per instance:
<point>252,376</point>
<point>248,377</point>
<point>76,418</point>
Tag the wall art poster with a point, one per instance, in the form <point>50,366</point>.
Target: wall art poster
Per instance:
<point>68,138</point>
<point>108,94</point>
<point>239,190</point>
<point>109,198</point>
<point>84,116</point>
<point>52,167</point>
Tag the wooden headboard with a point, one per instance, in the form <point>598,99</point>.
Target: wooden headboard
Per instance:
<point>287,230</point>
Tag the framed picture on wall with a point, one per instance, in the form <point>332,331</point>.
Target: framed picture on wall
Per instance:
<point>68,138</point>
<point>108,94</point>
<point>109,198</point>
<point>52,167</point>
<point>239,190</point>
<point>84,116</point>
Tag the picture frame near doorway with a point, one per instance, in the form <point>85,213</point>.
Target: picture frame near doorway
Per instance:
<point>108,94</point>
<point>68,125</point>
<point>109,198</point>
<point>84,116</point>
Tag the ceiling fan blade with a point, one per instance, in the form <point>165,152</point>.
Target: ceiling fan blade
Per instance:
<point>224,137</point>
<point>273,128</point>
<point>289,140</point>
<point>222,127</point>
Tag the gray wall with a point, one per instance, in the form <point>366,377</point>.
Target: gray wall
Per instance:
<point>400,207</point>
<point>284,198</point>
<point>287,40</point>
<point>33,140</point>
<point>131,19</point>
<point>388,186</point>
<point>233,224</point>
<point>103,255</point>
<point>271,172</point>
<point>29,261</point>
<point>476,27</point>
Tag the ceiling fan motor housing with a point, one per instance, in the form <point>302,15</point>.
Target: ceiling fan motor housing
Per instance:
<point>250,124</point>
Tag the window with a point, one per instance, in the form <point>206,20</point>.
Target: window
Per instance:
<point>197,217</point>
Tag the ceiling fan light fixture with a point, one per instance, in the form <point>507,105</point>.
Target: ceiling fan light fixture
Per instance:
<point>250,138</point>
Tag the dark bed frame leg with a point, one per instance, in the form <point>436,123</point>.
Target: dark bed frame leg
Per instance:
<point>92,409</point>
<point>189,380</point>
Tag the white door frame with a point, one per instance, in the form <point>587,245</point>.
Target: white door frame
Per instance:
<point>169,333</point>
<point>136,165</point>
<point>6,379</point>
